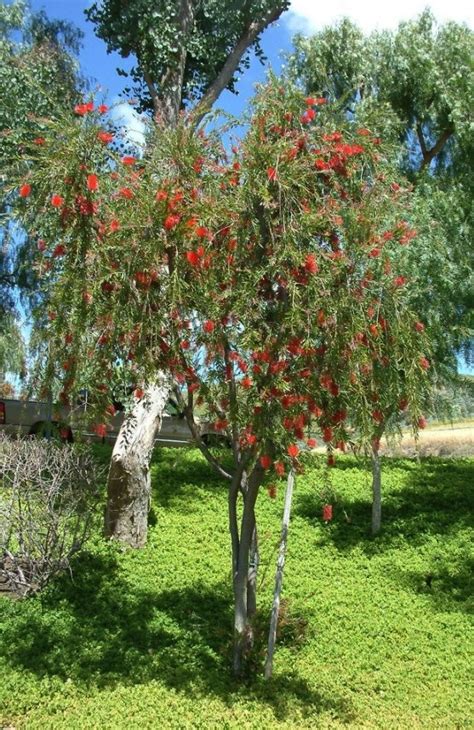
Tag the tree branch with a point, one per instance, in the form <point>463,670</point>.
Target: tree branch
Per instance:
<point>429,155</point>
<point>248,37</point>
<point>193,427</point>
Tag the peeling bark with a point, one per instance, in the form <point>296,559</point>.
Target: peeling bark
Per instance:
<point>128,485</point>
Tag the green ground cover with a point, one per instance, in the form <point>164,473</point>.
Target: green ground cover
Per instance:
<point>375,633</point>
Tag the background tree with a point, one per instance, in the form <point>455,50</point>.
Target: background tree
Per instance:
<point>267,283</point>
<point>38,76</point>
<point>186,54</point>
<point>413,86</point>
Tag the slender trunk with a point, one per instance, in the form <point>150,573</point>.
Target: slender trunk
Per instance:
<point>279,575</point>
<point>252,575</point>
<point>376,491</point>
<point>128,485</point>
<point>242,624</point>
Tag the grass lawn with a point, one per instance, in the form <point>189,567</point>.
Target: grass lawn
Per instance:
<point>376,633</point>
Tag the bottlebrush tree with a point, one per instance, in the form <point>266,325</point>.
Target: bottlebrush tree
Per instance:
<point>261,279</point>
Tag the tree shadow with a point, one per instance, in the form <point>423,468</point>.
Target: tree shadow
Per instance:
<point>183,472</point>
<point>434,501</point>
<point>99,631</point>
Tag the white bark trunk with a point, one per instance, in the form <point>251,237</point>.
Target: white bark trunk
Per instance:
<point>376,492</point>
<point>279,575</point>
<point>128,485</point>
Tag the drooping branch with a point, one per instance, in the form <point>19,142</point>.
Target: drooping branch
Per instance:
<point>248,37</point>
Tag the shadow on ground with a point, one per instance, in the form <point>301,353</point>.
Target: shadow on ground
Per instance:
<point>432,501</point>
<point>99,632</point>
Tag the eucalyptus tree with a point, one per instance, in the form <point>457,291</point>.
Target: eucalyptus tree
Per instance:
<point>185,54</point>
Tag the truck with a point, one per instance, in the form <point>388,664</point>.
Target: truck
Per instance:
<point>40,418</point>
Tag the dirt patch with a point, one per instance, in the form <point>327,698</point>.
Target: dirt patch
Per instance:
<point>440,441</point>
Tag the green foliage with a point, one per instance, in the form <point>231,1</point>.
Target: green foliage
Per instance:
<point>142,638</point>
<point>38,75</point>
<point>415,85</point>
<point>279,263</point>
<point>151,32</point>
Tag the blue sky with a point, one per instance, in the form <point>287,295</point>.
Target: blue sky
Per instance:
<point>305,16</point>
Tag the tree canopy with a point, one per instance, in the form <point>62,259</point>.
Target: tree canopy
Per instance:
<point>184,52</point>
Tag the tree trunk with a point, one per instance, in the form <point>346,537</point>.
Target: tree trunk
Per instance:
<point>279,575</point>
<point>376,491</point>
<point>245,577</point>
<point>128,485</point>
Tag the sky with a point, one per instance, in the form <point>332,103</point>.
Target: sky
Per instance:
<point>304,16</point>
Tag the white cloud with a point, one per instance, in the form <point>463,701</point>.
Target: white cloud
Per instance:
<point>132,124</point>
<point>307,16</point>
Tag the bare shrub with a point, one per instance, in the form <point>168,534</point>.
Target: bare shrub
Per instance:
<point>48,495</point>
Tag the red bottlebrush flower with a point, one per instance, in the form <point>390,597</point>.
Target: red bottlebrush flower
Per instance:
<point>111,410</point>
<point>363,132</point>
<point>193,258</point>
<point>171,221</point>
<point>310,264</point>
<point>419,326</point>
<point>138,393</point>
<point>161,195</point>
<point>424,362</point>
<point>272,491</point>
<point>68,339</point>
<point>279,468</point>
<point>403,404</point>
<point>126,193</point>
<point>59,250</point>
<point>327,434</point>
<point>399,281</point>
<point>246,382</point>
<point>308,116</point>
<point>377,416</point>
<point>321,165</point>
<point>52,316</point>
<point>81,109</point>
<point>105,137</point>
<point>39,141</point>
<point>311,443</point>
<point>208,326</point>
<point>265,461</point>
<point>102,108</point>
<point>100,429</point>
<point>203,232</point>
<point>114,225</point>
<point>422,422</point>
<point>128,160</point>
<point>375,253</point>
<point>57,201</point>
<point>327,512</point>
<point>331,460</point>
<point>293,451</point>
<point>92,183</point>
<point>271,173</point>
<point>25,190</point>
<point>87,297</point>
